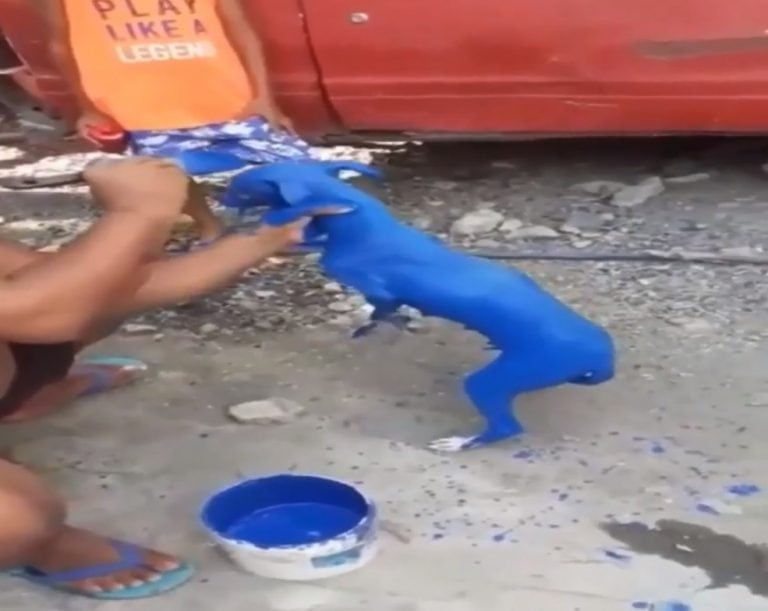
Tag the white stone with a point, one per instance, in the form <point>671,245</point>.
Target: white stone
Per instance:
<point>422,222</point>
<point>688,178</point>
<point>746,252</point>
<point>341,306</point>
<point>634,195</point>
<point>477,222</point>
<point>600,188</point>
<point>693,325</point>
<point>275,410</point>
<point>511,225</point>
<point>139,329</point>
<point>534,232</point>
<point>582,243</point>
<point>332,287</point>
<point>208,328</point>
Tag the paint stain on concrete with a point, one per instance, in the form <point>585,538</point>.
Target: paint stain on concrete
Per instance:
<point>727,560</point>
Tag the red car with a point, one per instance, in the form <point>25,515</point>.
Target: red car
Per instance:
<point>490,68</point>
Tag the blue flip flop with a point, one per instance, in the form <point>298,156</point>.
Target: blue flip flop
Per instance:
<point>101,380</point>
<point>131,557</point>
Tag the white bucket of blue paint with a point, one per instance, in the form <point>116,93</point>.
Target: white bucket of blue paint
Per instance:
<point>293,527</point>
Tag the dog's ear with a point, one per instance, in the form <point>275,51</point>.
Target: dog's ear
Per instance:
<point>294,193</point>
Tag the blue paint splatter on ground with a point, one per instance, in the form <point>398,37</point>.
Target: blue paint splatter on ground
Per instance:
<point>704,508</point>
<point>524,454</point>
<point>743,489</point>
<point>618,556</point>
<point>641,605</point>
<point>657,448</point>
<point>670,605</point>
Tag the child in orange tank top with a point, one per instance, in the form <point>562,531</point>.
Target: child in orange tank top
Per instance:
<point>184,79</point>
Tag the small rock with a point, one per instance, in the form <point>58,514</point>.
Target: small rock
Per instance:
<point>487,243</point>
<point>634,195</point>
<point>422,222</point>
<point>477,222</point>
<point>582,243</point>
<point>759,400</point>
<point>600,188</point>
<point>332,287</point>
<point>275,410</point>
<point>688,178</point>
<point>208,328</point>
<point>503,165</point>
<point>741,251</point>
<point>341,306</point>
<point>445,185</point>
<point>265,294</point>
<point>693,325</point>
<point>139,329</point>
<point>435,203</point>
<point>511,225</point>
<point>534,232</point>
<point>579,221</point>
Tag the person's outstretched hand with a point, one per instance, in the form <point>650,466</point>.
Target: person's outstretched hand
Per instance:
<point>290,234</point>
<point>148,186</point>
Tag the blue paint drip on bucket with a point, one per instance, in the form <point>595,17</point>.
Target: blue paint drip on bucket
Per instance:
<point>293,527</point>
<point>670,605</point>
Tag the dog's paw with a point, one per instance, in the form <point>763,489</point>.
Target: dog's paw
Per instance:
<point>452,444</point>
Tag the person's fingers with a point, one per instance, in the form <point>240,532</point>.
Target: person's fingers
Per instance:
<point>287,125</point>
<point>87,134</point>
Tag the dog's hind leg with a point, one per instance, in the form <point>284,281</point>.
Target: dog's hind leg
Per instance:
<point>493,390</point>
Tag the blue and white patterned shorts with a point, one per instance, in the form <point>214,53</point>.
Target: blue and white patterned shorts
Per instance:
<point>253,141</point>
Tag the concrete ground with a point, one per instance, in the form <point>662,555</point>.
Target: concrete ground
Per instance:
<point>616,498</point>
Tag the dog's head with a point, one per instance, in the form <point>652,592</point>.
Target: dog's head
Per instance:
<point>293,189</point>
<point>278,185</point>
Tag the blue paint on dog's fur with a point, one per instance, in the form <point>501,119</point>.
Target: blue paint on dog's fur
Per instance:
<point>542,342</point>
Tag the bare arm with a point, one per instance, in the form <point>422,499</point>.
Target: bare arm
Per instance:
<point>14,256</point>
<point>53,13</point>
<point>182,278</point>
<point>58,297</point>
<point>247,46</point>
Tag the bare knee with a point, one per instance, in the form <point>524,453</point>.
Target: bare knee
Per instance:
<point>27,523</point>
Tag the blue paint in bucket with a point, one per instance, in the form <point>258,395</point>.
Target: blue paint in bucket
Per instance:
<point>286,510</point>
<point>294,524</point>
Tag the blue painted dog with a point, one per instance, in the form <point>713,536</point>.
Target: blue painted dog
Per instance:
<point>541,341</point>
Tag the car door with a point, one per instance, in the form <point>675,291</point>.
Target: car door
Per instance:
<point>543,66</point>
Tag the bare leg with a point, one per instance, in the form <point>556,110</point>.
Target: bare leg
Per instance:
<point>208,226</point>
<point>33,534</point>
<point>60,394</point>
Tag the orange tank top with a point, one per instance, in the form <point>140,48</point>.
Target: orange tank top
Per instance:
<point>157,64</point>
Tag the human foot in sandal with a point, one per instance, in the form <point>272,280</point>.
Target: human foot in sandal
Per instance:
<point>80,562</point>
<point>88,376</point>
